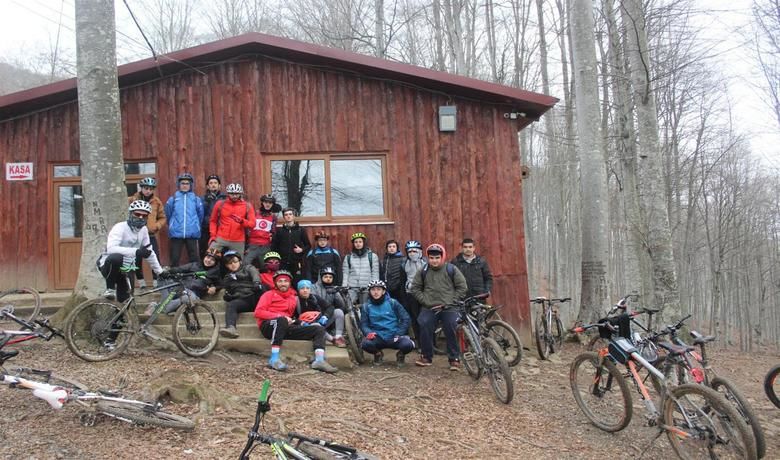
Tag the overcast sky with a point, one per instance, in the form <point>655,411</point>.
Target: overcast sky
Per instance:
<point>30,25</point>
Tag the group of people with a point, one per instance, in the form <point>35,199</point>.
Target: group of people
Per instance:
<point>275,272</point>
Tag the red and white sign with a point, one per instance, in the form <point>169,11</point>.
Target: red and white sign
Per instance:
<point>18,171</point>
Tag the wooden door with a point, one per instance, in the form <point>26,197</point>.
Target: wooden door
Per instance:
<point>68,221</point>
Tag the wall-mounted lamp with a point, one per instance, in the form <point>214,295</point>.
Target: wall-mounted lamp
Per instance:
<point>447,118</point>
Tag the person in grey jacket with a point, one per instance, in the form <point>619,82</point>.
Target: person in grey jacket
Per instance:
<point>360,267</point>
<point>438,285</point>
<point>475,268</point>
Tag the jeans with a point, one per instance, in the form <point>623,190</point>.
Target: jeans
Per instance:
<point>176,245</point>
<point>255,254</point>
<point>427,321</point>
<point>375,345</point>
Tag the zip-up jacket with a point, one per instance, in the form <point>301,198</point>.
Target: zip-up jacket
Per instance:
<point>156,220</point>
<point>241,283</point>
<point>222,224</point>
<point>360,269</point>
<point>438,288</point>
<point>209,200</point>
<point>274,304</point>
<point>185,214</point>
<point>387,318</point>
<point>319,258</point>
<point>313,303</point>
<point>198,285</point>
<point>390,271</point>
<point>331,298</point>
<point>285,239</point>
<point>123,240</point>
<point>477,274</point>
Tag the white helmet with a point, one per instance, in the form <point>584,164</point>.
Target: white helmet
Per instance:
<point>140,205</point>
<point>234,188</point>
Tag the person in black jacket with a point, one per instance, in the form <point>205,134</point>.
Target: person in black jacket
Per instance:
<point>321,256</point>
<point>474,267</point>
<point>242,291</point>
<point>210,198</point>
<point>195,288</point>
<point>391,270</point>
<point>292,243</point>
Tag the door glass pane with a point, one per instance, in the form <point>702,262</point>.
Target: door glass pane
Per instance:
<point>356,187</point>
<point>71,214</point>
<point>300,184</point>
<point>67,171</point>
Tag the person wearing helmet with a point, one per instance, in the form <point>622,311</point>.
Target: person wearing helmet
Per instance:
<point>413,263</point>
<point>321,256</point>
<point>210,198</point>
<point>292,243</point>
<point>435,286</point>
<point>384,323</point>
<point>272,263</point>
<point>154,223</point>
<point>332,318</point>
<point>242,291</point>
<point>324,288</point>
<point>275,314</point>
<point>184,211</point>
<point>360,266</point>
<point>474,268</point>
<point>231,219</point>
<point>391,270</point>
<point>261,235</point>
<point>126,242</point>
<point>196,288</point>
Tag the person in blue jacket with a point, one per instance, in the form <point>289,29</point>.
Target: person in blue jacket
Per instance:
<point>385,324</point>
<point>184,211</point>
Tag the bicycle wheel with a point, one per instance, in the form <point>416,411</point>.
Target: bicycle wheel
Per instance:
<point>770,385</point>
<point>47,377</point>
<point>701,424</point>
<point>557,335</point>
<point>468,352</point>
<point>596,343</point>
<point>143,414</point>
<point>498,371</point>
<point>318,452</point>
<point>734,396</point>
<point>541,333</point>
<point>601,392</point>
<point>507,338</point>
<point>354,337</point>
<point>195,328</point>
<point>92,336</point>
<point>26,304</point>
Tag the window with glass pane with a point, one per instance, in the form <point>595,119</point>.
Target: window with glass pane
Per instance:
<point>71,216</point>
<point>140,168</point>
<point>356,188</point>
<point>300,184</point>
<point>67,171</point>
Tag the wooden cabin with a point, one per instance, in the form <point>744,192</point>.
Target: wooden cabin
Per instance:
<point>389,149</point>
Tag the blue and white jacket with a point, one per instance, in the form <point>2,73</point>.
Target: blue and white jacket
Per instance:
<point>184,211</point>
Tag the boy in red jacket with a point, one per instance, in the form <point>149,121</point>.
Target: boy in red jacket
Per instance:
<point>230,221</point>
<point>275,317</point>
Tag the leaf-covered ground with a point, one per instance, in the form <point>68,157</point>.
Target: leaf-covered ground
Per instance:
<point>395,414</point>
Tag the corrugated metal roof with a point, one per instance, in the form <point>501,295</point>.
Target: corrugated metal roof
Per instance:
<point>530,103</point>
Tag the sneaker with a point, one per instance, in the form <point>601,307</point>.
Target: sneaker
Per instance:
<point>151,308</point>
<point>230,332</point>
<point>378,358</point>
<point>400,358</point>
<point>110,294</point>
<point>454,364</point>
<point>109,345</point>
<point>154,283</point>
<point>277,365</point>
<point>141,284</point>
<point>324,366</point>
<point>340,342</point>
<point>423,361</point>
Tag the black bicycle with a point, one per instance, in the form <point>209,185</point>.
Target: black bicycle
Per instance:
<point>549,329</point>
<point>295,445</point>
<point>101,329</point>
<point>353,335</point>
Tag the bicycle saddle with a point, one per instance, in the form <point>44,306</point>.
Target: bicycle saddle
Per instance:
<point>675,349</point>
<point>650,311</point>
<point>699,339</point>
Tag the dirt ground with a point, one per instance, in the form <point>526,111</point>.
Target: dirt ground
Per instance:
<point>394,414</point>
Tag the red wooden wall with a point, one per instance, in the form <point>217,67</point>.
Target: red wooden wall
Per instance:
<point>442,186</point>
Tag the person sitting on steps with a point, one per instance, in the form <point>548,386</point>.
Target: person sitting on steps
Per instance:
<point>275,319</point>
<point>242,291</point>
<point>272,262</point>
<point>195,288</point>
<point>331,318</point>
<point>384,323</point>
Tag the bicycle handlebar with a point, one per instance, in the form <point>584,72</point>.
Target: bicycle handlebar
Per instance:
<point>8,312</point>
<point>545,299</point>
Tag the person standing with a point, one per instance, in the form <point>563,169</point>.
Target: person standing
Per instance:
<point>261,235</point>
<point>321,256</point>
<point>474,268</point>
<point>391,270</point>
<point>184,211</point>
<point>230,221</point>
<point>210,198</point>
<point>360,267</point>
<point>292,243</point>
<point>413,263</point>
<point>154,223</point>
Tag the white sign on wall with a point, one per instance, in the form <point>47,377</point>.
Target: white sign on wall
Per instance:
<point>18,171</point>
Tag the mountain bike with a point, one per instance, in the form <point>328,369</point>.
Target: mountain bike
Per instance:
<point>480,353</point>
<point>353,335</point>
<point>693,367</point>
<point>18,298</point>
<point>549,329</point>
<point>770,385</point>
<point>101,329</point>
<point>295,445</point>
<point>697,420</point>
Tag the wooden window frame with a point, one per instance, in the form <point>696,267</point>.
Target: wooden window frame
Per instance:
<point>327,157</point>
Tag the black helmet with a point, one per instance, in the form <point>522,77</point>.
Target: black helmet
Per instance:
<point>213,176</point>
<point>230,254</point>
<point>282,273</point>
<point>185,176</point>
<point>327,270</point>
<point>268,198</point>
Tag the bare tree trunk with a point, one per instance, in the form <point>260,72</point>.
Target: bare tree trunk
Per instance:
<point>593,171</point>
<point>439,38</point>
<point>100,136</point>
<point>379,27</point>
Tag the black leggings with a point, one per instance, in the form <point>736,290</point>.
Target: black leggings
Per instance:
<point>176,246</point>
<point>156,248</point>
<point>236,306</point>
<point>115,279</point>
<point>276,330</point>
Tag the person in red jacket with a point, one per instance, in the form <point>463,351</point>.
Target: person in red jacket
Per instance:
<point>230,221</point>
<point>275,313</point>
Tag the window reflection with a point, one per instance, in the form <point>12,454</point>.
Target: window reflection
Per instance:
<point>356,187</point>
<point>300,184</point>
<point>71,215</point>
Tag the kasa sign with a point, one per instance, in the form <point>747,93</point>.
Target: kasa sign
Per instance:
<point>18,171</point>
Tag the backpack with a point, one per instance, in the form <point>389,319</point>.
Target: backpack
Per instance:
<point>370,260</point>
<point>450,271</point>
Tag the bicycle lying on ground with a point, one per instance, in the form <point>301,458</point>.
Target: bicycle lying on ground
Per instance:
<point>549,329</point>
<point>479,352</point>
<point>58,391</point>
<point>697,420</point>
<point>295,445</point>
<point>101,329</point>
<point>353,335</point>
<point>770,385</point>
<point>19,298</point>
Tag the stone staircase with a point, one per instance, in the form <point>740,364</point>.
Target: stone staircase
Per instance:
<point>249,341</point>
